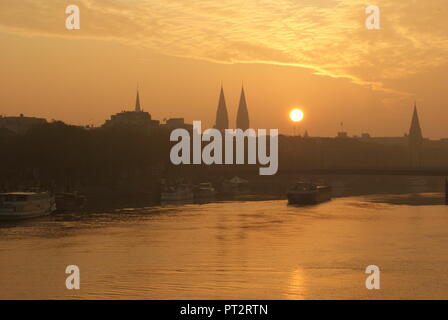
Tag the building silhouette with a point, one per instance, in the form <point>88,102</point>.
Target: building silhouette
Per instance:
<point>20,124</point>
<point>242,117</point>
<point>222,117</point>
<point>351,152</point>
<point>132,119</point>
<point>140,119</point>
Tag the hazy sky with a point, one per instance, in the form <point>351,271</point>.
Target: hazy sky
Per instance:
<point>313,54</point>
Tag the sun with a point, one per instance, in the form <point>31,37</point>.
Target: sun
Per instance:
<point>296,115</point>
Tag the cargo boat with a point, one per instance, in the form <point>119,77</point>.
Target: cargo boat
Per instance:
<point>308,193</point>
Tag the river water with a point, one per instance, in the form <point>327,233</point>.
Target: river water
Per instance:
<point>233,250</point>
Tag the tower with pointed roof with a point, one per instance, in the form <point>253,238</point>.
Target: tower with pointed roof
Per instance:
<point>133,119</point>
<point>222,117</point>
<point>137,103</point>
<point>242,117</point>
<point>415,132</point>
<point>415,139</point>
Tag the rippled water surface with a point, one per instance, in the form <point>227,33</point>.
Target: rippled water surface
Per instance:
<point>234,250</point>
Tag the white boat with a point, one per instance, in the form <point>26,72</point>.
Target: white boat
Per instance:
<point>204,190</point>
<point>25,205</point>
<point>177,193</point>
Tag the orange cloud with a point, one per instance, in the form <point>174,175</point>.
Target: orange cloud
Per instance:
<point>327,36</point>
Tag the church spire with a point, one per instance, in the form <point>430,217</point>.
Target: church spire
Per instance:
<point>137,103</point>
<point>415,132</point>
<point>222,118</point>
<point>242,117</point>
<point>415,140</point>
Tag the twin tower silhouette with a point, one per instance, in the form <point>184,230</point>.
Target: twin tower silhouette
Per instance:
<point>222,117</point>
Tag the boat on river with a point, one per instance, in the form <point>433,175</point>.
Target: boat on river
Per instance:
<point>308,193</point>
<point>25,205</point>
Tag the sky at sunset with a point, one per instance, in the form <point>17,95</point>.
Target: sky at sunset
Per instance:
<point>313,54</point>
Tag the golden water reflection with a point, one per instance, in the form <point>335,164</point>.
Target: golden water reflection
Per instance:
<point>231,250</point>
<point>296,289</point>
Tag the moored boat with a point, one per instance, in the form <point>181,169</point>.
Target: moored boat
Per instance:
<point>308,193</point>
<point>25,205</point>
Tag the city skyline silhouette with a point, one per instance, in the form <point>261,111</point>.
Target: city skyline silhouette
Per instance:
<point>334,69</point>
